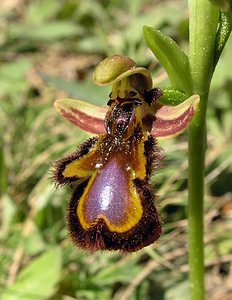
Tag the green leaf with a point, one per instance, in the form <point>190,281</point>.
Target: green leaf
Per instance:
<point>3,170</point>
<point>171,56</point>
<point>38,279</point>
<point>8,211</point>
<point>47,10</point>
<point>12,76</point>
<point>223,33</point>
<point>112,273</point>
<point>34,244</point>
<point>46,32</point>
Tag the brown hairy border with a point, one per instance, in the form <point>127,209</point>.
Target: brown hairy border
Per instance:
<point>154,155</point>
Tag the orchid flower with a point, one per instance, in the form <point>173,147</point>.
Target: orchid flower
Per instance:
<point>112,207</point>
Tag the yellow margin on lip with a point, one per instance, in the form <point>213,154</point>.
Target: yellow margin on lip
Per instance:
<point>134,213</point>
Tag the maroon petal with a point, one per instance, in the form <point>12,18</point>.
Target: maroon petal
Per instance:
<point>84,115</point>
<point>172,120</point>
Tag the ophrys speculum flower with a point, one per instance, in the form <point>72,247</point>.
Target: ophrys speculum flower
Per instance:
<point>113,206</point>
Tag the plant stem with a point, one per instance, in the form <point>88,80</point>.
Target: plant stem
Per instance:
<point>203,20</point>
<point>197,143</point>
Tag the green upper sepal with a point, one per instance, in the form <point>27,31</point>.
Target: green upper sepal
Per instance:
<point>117,67</point>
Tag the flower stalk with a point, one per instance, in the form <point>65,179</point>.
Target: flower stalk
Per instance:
<point>203,21</point>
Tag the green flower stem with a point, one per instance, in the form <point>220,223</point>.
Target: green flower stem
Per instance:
<point>203,21</point>
<point>197,145</point>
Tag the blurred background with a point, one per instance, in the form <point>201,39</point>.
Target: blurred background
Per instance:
<point>48,50</point>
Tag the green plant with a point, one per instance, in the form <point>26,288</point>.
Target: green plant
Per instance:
<point>209,29</point>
